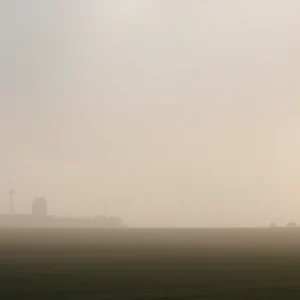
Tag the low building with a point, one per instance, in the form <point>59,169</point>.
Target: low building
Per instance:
<point>273,225</point>
<point>39,218</point>
<point>292,224</point>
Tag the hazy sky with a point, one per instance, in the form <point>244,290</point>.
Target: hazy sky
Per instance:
<point>171,112</point>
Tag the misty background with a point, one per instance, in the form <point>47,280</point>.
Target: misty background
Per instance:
<point>170,112</point>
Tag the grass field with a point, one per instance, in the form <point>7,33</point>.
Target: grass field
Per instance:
<point>150,264</point>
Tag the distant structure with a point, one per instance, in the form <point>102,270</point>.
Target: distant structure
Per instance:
<point>292,224</point>
<point>39,207</point>
<point>12,193</point>
<point>39,218</point>
<point>273,225</point>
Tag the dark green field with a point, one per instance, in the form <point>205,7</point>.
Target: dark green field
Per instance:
<point>150,264</point>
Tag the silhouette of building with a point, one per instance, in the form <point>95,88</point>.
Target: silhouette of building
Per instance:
<point>39,207</point>
<point>292,224</point>
<point>273,225</point>
<point>39,218</point>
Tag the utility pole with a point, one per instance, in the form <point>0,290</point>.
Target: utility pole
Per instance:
<point>12,193</point>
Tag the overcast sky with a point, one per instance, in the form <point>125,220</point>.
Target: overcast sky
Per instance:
<point>170,112</point>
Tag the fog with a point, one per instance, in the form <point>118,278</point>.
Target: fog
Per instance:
<point>168,112</point>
